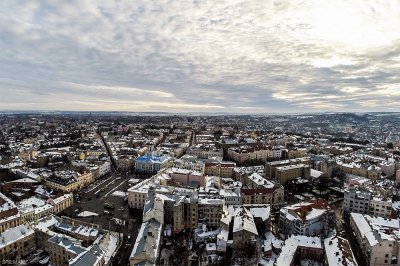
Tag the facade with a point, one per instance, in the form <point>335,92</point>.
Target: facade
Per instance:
<point>381,207</point>
<point>365,170</point>
<point>185,214</point>
<point>7,207</point>
<point>186,177</point>
<point>210,211</point>
<point>356,200</point>
<point>297,153</point>
<point>221,169</point>
<point>274,195</point>
<point>124,162</point>
<point>104,168</point>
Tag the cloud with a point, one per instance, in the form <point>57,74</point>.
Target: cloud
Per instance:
<point>235,56</point>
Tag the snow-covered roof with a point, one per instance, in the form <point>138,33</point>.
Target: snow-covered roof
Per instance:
<point>261,212</point>
<point>244,220</point>
<point>14,234</point>
<point>292,244</point>
<point>8,204</point>
<point>338,252</point>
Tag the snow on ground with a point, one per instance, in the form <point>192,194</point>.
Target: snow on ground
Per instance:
<point>87,214</point>
<point>119,193</point>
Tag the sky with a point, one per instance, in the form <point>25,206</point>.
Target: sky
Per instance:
<point>238,56</point>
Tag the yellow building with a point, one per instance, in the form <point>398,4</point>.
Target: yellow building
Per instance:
<point>288,173</point>
<point>56,205</point>
<point>70,182</point>
<point>16,242</point>
<point>221,169</point>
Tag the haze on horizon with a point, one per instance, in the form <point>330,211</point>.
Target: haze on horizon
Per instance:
<point>200,56</point>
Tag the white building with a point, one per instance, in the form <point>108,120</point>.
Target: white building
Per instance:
<point>378,238</point>
<point>356,200</point>
<point>104,168</point>
<point>151,163</point>
<point>381,207</point>
<point>307,218</point>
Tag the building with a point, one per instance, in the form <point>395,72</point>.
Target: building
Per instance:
<point>221,169</point>
<point>307,218</point>
<point>205,151</point>
<point>356,200</point>
<point>186,177</point>
<point>69,181</point>
<point>297,153</point>
<point>7,207</point>
<point>185,213</point>
<point>210,211</point>
<point>150,164</point>
<point>381,207</point>
<point>244,230</point>
<point>365,170</point>
<point>297,248</point>
<point>246,153</point>
<point>271,166</point>
<point>147,245</point>
<point>378,238</point>
<point>274,195</point>
<point>16,242</point>
<point>284,174</point>
<point>30,213</point>
<point>61,249</point>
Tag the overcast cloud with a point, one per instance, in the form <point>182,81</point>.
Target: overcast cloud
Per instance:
<point>179,56</point>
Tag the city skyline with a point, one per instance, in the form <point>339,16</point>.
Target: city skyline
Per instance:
<point>202,56</point>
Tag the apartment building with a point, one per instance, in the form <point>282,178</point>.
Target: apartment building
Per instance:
<point>297,153</point>
<point>356,200</point>
<point>29,213</point>
<point>377,238</point>
<point>16,242</point>
<point>221,169</point>
<point>148,244</point>
<point>284,174</point>
<point>274,195</point>
<point>246,153</point>
<point>365,170</point>
<point>306,218</point>
<point>205,151</point>
<point>69,181</point>
<point>297,248</point>
<point>210,211</point>
<point>61,249</point>
<point>271,166</point>
<point>381,207</point>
